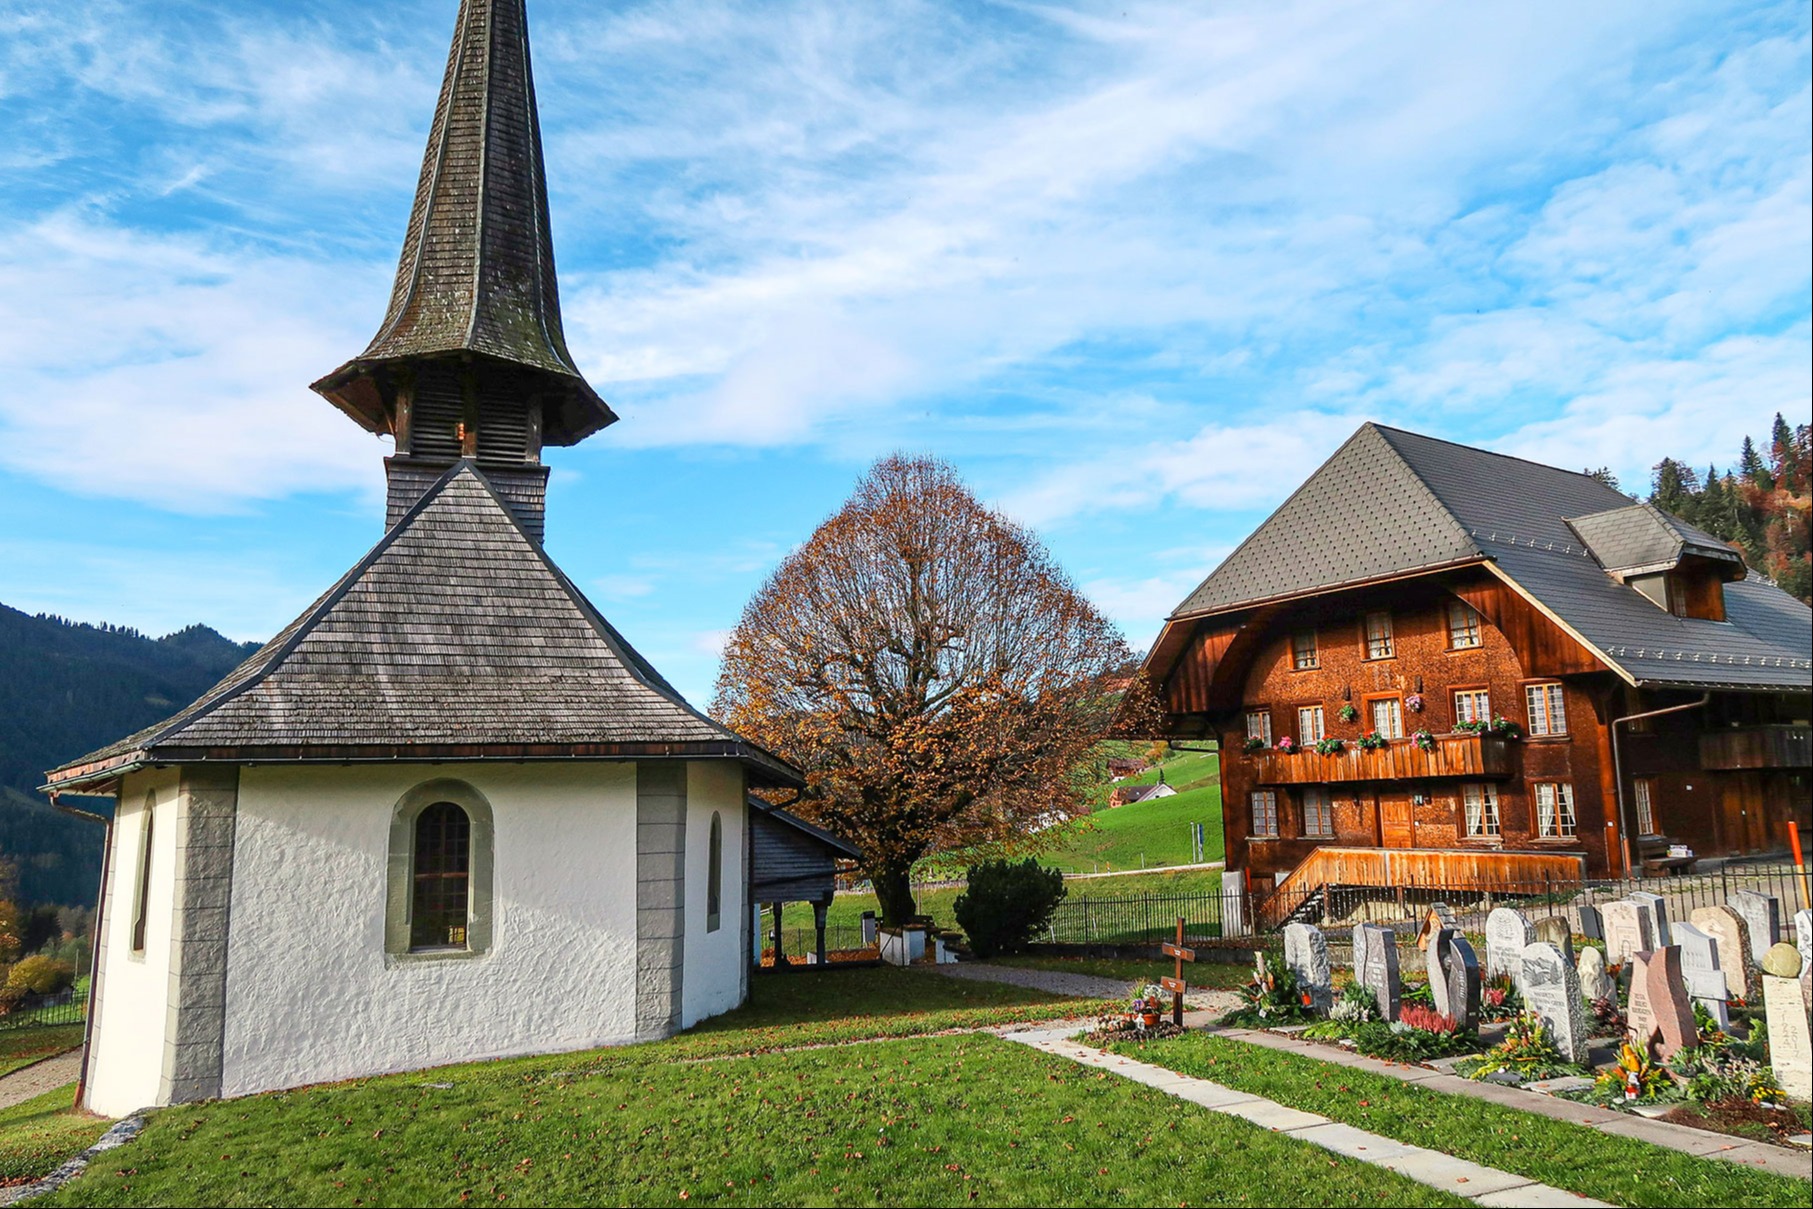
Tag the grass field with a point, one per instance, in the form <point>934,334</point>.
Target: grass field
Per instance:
<point>20,1047</point>
<point>1619,1170</point>
<point>1214,975</point>
<point>36,1136</point>
<point>948,1120</point>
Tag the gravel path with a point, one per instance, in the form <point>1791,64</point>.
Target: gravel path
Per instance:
<point>1083,986</point>
<point>40,1077</point>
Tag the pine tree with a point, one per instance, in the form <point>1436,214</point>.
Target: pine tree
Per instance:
<point>1675,488</point>
<point>1753,468</point>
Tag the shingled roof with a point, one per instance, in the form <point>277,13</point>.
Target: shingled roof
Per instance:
<point>477,272</point>
<point>1642,537</point>
<point>1391,503</point>
<point>454,638</point>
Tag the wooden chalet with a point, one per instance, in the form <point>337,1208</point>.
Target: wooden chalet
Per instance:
<point>1528,675</point>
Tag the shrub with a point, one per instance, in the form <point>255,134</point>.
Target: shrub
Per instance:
<point>40,975</point>
<point>1401,1042</point>
<point>1006,904</point>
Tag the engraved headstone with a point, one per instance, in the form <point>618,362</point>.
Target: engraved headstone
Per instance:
<point>1553,929</point>
<point>1551,989</point>
<point>1803,937</point>
<point>1437,917</point>
<point>1306,953</point>
<point>1375,959</point>
<point>1233,907</point>
<point>1595,983</point>
<point>1592,926</point>
<point>1660,1013</point>
<point>1454,978</point>
<point>1700,971</point>
<point>1762,918</point>
<point>1655,910</point>
<point>1726,927</point>
<point>1507,932</point>
<point>1626,931</point>
<point>1785,1007</point>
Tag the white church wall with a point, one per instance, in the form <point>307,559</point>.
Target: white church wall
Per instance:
<point>713,961</point>
<point>125,1069</point>
<point>311,994</point>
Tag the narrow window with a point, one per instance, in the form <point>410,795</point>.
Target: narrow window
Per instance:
<point>1644,793</point>
<point>1472,705</point>
<point>1548,714</point>
<point>1264,803</point>
<point>141,906</point>
<point>1378,636</point>
<point>1388,717</point>
<point>1318,813</point>
<point>1309,724</point>
<point>1554,809</point>
<point>714,875</point>
<point>1463,626</point>
<point>442,878</point>
<point>1303,650</point>
<point>1259,725</point>
<point>1482,810</point>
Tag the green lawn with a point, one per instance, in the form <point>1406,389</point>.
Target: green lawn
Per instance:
<point>1619,1170</point>
<point>20,1047</point>
<point>950,1120</point>
<point>36,1136</point>
<point>1143,835</point>
<point>1213,975</point>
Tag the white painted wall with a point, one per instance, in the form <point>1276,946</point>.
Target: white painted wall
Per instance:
<point>127,1063</point>
<point>311,995</point>
<point>713,961</point>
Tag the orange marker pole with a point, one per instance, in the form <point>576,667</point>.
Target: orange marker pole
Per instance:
<point>1800,864</point>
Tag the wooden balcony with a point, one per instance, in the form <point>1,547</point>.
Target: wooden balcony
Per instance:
<point>1474,756</point>
<point>1469,870</point>
<point>1757,747</point>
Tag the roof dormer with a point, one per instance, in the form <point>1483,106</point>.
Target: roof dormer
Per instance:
<point>1676,566</point>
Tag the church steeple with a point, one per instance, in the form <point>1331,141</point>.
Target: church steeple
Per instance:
<point>471,360</point>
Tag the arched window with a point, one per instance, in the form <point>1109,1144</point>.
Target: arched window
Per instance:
<point>141,900</point>
<point>441,878</point>
<point>714,874</point>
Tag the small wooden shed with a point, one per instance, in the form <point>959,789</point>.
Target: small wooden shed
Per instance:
<point>792,861</point>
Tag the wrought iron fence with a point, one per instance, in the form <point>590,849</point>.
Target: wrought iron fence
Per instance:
<point>1135,919</point>
<point>800,941</point>
<point>43,1011</point>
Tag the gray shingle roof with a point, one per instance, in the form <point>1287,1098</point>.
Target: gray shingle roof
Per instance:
<point>1391,502</point>
<point>454,635</point>
<point>1644,536</point>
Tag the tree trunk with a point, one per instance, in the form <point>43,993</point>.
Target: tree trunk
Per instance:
<point>894,890</point>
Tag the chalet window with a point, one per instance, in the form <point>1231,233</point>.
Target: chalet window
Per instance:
<point>1463,626</point>
<point>141,899</point>
<point>1643,793</point>
<point>1378,636</point>
<point>1388,717</point>
<point>1259,725</point>
<point>1482,810</point>
<point>1303,651</point>
<point>1309,724</point>
<point>1264,805</point>
<point>1472,705</point>
<point>714,874</point>
<point>1318,813</point>
<point>1554,809</point>
<point>1548,713</point>
<point>438,885</point>
<point>442,878</point>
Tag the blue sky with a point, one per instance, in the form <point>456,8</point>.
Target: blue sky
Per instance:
<point>1134,267</point>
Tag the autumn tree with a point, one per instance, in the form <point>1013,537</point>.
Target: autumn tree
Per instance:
<point>938,678</point>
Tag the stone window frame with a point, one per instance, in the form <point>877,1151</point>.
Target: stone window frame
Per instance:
<point>399,881</point>
<point>141,886</point>
<point>714,874</point>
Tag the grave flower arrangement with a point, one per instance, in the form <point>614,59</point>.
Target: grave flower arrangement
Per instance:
<point>1330,747</point>
<point>1417,1035</point>
<point>1714,1074</point>
<point>1634,1076</point>
<point>1499,1000</point>
<point>1271,998</point>
<point>1414,703</point>
<point>1372,740</point>
<point>1608,1017</point>
<point>1355,1006</point>
<point>1527,1051</point>
<point>1347,713</point>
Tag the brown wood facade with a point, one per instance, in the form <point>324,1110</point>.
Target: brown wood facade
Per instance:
<point>1723,777</point>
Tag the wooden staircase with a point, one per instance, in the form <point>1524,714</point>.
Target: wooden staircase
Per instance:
<point>1300,895</point>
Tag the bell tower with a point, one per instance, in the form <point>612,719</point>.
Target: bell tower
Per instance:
<point>471,361</point>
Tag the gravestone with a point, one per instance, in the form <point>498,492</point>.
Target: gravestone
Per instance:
<point>1306,953</point>
<point>1454,978</point>
<point>1437,917</point>
<point>1507,933</point>
<point>1592,926</point>
<point>1553,929</point>
<point>1655,909</point>
<point>1700,970</point>
<point>1660,1013</point>
<point>1375,965</point>
<point>1626,931</point>
<point>1785,1008</point>
<point>868,929</point>
<point>1762,917</point>
<point>1233,907</point>
<point>1595,983</point>
<point>1551,989</point>
<point>1726,927</point>
<point>1803,938</point>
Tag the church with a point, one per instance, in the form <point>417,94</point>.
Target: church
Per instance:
<point>447,813</point>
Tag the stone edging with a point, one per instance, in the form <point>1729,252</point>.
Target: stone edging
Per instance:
<point>121,1133</point>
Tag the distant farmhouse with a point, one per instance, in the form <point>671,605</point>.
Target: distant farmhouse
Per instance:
<point>1437,664</point>
<point>448,812</point>
<point>1122,767</point>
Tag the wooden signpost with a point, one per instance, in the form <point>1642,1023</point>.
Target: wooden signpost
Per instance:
<point>1176,985</point>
